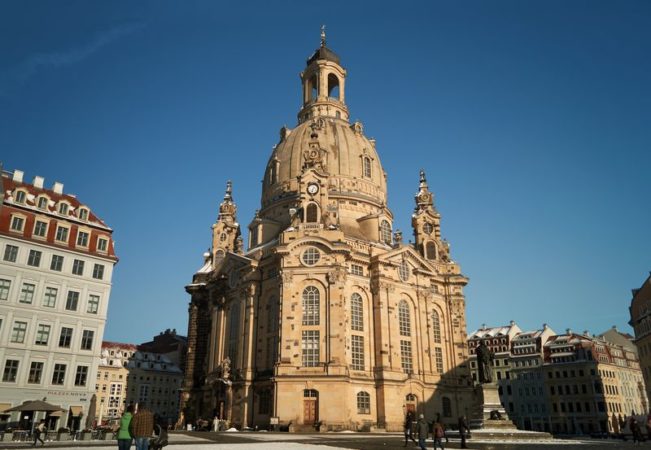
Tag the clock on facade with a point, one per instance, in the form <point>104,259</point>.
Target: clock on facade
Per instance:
<point>312,188</point>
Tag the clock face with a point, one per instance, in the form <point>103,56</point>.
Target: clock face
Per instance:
<point>312,188</point>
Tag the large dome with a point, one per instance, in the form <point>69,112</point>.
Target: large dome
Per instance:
<point>350,161</point>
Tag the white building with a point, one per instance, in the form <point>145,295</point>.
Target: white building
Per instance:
<point>56,264</point>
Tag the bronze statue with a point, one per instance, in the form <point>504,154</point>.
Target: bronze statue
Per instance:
<point>484,363</point>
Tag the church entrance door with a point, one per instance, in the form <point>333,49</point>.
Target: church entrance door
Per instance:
<point>310,406</point>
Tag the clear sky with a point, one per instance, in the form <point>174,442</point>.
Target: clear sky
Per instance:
<point>532,120</point>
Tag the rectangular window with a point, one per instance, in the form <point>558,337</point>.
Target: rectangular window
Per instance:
<point>81,375</point>
<point>17,223</point>
<point>357,351</point>
<point>87,340</point>
<point>11,253</point>
<point>35,372</point>
<point>65,337</point>
<point>438,358</point>
<point>50,298</point>
<point>11,370</point>
<point>18,332</point>
<point>62,234</point>
<point>4,289</point>
<point>78,267</point>
<point>405,356</point>
<point>93,304</point>
<point>42,334</point>
<point>98,271</point>
<point>310,348</point>
<point>59,374</point>
<point>34,258</point>
<point>72,301</point>
<point>356,270</point>
<point>102,244</point>
<point>27,293</point>
<point>40,228</point>
<point>82,239</point>
<point>56,263</point>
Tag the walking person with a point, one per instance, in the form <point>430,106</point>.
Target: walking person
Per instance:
<point>422,428</point>
<point>438,433</point>
<point>409,423</point>
<point>124,437</point>
<point>38,431</point>
<point>635,429</point>
<point>142,426</point>
<point>463,429</point>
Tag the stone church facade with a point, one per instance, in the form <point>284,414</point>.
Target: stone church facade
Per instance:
<point>328,319</point>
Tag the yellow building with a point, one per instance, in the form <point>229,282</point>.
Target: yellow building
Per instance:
<point>111,383</point>
<point>640,311</point>
<point>328,319</point>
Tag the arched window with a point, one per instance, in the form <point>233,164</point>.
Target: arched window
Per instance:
<point>404,320</point>
<point>233,331</point>
<point>333,86</point>
<point>363,403</point>
<point>436,327</point>
<point>385,232</point>
<point>311,298</point>
<point>356,312</point>
<point>312,88</point>
<point>63,208</point>
<point>447,407</point>
<point>403,270</point>
<point>83,214</point>
<point>272,315</point>
<point>312,213</point>
<point>430,250</point>
<point>367,167</point>
<point>42,202</point>
<point>311,256</point>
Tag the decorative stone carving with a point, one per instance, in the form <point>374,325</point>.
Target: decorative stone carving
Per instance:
<point>337,275</point>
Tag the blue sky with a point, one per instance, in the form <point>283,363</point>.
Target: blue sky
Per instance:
<point>531,120</point>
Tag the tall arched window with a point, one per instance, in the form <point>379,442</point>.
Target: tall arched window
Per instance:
<point>233,331</point>
<point>333,86</point>
<point>436,327</point>
<point>311,298</point>
<point>404,320</point>
<point>272,317</point>
<point>363,403</point>
<point>356,312</point>
<point>311,213</point>
<point>385,232</point>
<point>430,250</point>
<point>367,167</point>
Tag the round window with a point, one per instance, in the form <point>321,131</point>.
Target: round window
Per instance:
<point>222,237</point>
<point>311,256</point>
<point>403,270</point>
<point>428,228</point>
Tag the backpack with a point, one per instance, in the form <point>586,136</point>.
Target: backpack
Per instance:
<point>438,431</point>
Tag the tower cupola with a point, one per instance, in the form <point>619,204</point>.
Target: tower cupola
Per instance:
<point>324,81</point>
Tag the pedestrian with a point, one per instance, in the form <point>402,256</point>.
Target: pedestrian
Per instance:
<point>124,437</point>
<point>423,431</point>
<point>648,426</point>
<point>635,429</point>
<point>438,433</point>
<point>38,431</point>
<point>142,426</point>
<point>409,422</point>
<point>215,423</point>
<point>463,429</point>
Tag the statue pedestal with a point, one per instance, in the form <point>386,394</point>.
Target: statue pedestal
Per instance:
<point>489,398</point>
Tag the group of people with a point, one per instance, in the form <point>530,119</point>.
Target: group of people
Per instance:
<point>141,428</point>
<point>436,428</point>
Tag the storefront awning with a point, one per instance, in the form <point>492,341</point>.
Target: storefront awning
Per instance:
<point>76,410</point>
<point>56,414</point>
<point>3,409</point>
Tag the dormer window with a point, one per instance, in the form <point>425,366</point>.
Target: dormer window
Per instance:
<point>63,209</point>
<point>83,214</point>
<point>367,166</point>
<point>102,244</point>
<point>20,197</point>
<point>42,202</point>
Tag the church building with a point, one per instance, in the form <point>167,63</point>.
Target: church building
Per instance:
<point>327,319</point>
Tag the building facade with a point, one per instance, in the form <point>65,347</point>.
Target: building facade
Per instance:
<point>640,312</point>
<point>111,383</point>
<point>56,266</point>
<point>328,318</point>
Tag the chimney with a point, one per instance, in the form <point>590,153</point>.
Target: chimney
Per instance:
<point>545,326</point>
<point>38,182</point>
<point>512,322</point>
<point>568,331</point>
<point>18,176</point>
<point>615,327</point>
<point>586,333</point>
<point>58,187</point>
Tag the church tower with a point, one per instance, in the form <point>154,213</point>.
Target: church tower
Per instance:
<point>326,319</point>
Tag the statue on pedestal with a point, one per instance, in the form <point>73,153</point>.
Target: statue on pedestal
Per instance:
<point>485,360</point>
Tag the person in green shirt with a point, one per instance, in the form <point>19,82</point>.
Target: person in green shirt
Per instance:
<point>124,437</point>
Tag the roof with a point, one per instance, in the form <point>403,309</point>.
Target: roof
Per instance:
<point>121,345</point>
<point>33,192</point>
<point>323,53</point>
